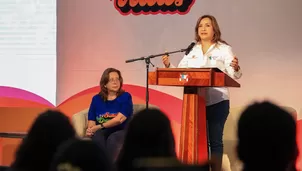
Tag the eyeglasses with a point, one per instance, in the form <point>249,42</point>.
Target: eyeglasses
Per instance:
<point>114,80</point>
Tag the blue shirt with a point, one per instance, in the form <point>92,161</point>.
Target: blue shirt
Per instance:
<point>101,111</point>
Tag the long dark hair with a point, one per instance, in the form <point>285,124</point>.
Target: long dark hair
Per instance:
<point>149,134</point>
<point>48,131</point>
<point>105,79</point>
<point>216,29</point>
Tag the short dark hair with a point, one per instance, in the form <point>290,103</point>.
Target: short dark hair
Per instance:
<point>266,133</point>
<point>81,154</point>
<point>149,134</point>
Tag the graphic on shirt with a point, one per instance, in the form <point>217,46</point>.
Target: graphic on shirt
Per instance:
<point>137,7</point>
<point>213,57</point>
<point>105,117</point>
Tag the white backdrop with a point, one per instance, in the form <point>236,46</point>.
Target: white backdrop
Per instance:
<point>28,46</point>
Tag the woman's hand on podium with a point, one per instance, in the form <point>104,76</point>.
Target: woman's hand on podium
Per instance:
<point>166,61</point>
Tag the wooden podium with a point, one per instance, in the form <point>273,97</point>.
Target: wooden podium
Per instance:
<point>193,134</point>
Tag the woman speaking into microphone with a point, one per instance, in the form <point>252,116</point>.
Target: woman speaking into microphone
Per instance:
<point>211,50</point>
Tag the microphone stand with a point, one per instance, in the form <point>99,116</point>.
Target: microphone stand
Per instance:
<point>148,62</point>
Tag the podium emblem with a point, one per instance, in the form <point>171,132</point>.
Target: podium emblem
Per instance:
<point>183,77</point>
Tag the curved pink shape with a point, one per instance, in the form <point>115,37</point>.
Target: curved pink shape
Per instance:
<point>23,94</point>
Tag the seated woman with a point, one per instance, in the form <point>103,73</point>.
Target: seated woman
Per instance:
<point>109,110</point>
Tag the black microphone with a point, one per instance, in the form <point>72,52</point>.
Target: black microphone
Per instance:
<point>189,48</point>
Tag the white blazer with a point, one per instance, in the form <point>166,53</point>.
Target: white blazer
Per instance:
<point>219,55</point>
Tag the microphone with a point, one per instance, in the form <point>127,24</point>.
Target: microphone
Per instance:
<point>189,48</point>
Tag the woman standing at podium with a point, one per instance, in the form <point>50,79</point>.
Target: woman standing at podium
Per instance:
<point>211,51</point>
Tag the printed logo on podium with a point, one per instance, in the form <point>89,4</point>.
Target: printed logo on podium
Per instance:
<point>153,7</point>
<point>183,77</point>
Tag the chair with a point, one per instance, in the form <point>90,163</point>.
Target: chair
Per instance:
<point>80,119</point>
